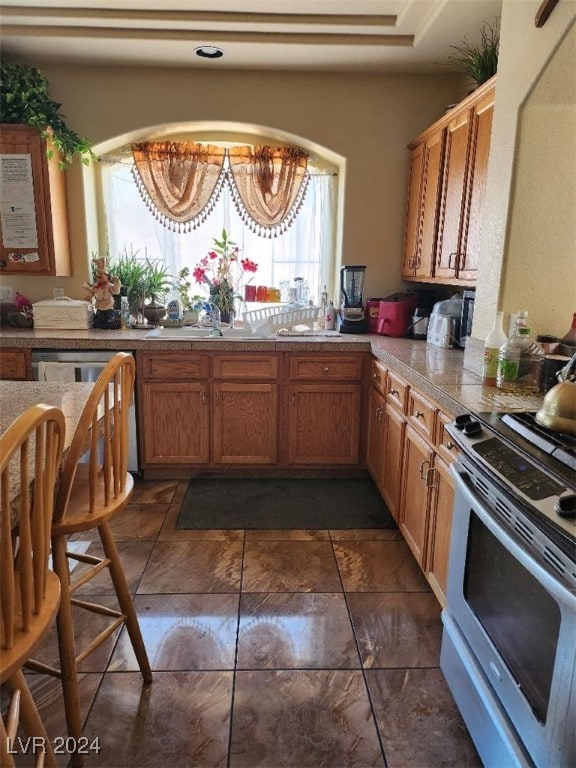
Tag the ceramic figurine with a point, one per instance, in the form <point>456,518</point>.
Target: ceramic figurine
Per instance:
<point>102,293</point>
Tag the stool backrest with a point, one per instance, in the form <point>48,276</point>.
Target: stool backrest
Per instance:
<point>102,436</point>
<point>30,461</point>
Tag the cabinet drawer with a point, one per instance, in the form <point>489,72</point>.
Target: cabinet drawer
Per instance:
<point>397,391</point>
<point>422,414</point>
<point>166,366</point>
<point>326,367</point>
<point>15,365</point>
<point>444,445</point>
<point>245,366</point>
<point>378,376</point>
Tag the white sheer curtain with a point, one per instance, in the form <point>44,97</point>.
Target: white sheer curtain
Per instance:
<point>305,250</point>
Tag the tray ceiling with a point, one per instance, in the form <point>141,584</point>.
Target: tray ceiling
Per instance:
<point>324,35</point>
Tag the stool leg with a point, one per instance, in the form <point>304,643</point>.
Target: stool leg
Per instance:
<point>125,600</point>
<point>67,648</point>
<point>6,758</point>
<point>31,720</point>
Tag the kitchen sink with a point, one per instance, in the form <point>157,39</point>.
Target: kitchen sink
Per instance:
<point>186,333</point>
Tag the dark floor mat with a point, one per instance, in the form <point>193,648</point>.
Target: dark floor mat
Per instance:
<point>214,503</point>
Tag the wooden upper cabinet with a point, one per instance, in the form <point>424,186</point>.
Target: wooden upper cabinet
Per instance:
<point>34,216</point>
<point>413,211</point>
<point>453,196</point>
<point>476,188</point>
<point>421,220</point>
<point>448,171</point>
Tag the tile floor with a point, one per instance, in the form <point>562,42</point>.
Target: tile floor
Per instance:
<point>269,648</point>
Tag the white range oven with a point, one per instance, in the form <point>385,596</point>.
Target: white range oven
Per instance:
<point>84,366</point>
<point>509,639</point>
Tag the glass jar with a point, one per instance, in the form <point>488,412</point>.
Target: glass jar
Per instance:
<point>520,362</point>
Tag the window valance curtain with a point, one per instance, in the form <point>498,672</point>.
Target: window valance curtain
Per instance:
<point>268,185</point>
<point>181,182</point>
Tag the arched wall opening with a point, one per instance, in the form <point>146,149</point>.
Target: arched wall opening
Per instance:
<point>214,132</point>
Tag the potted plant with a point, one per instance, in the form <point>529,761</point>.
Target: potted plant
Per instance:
<point>157,283</point>
<point>190,304</point>
<point>25,99</point>
<point>144,281</point>
<point>479,62</point>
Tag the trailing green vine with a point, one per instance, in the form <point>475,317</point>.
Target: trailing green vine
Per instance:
<point>25,98</point>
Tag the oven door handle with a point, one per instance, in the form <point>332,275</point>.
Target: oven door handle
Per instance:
<point>551,581</point>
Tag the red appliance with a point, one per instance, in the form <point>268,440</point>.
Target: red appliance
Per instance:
<point>395,314</point>
<point>372,313</point>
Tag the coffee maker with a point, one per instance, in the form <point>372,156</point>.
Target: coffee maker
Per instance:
<point>352,313</point>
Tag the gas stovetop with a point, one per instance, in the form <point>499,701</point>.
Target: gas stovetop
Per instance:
<point>533,465</point>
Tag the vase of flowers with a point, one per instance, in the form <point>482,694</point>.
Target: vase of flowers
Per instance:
<point>223,272</point>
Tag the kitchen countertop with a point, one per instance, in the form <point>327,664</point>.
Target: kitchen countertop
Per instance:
<point>435,371</point>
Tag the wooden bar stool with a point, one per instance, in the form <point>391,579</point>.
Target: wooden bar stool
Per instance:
<point>30,459</point>
<point>91,492</point>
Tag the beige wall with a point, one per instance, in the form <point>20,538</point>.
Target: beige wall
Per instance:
<point>528,241</point>
<point>367,119</point>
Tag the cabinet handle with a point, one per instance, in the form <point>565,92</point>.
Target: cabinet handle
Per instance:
<point>375,376</point>
<point>450,265</point>
<point>422,463</point>
<point>418,414</point>
<point>393,392</point>
<point>430,475</point>
<point>449,445</point>
<point>325,369</point>
<point>293,398</point>
<point>203,397</point>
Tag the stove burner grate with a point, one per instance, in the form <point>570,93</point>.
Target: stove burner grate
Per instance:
<point>557,444</point>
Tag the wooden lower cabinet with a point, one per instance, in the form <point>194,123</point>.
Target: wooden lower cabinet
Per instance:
<point>394,428</point>
<point>375,450</point>
<point>440,528</point>
<point>245,423</point>
<point>175,427</point>
<point>16,364</point>
<point>323,409</point>
<point>408,455</point>
<point>324,423</point>
<point>227,414</point>
<point>416,494</point>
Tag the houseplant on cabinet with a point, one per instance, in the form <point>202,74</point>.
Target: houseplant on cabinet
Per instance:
<point>478,61</point>
<point>25,99</point>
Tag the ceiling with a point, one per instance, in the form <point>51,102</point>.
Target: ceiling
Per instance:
<point>316,35</point>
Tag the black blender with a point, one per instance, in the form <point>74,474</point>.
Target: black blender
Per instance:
<point>352,312</point>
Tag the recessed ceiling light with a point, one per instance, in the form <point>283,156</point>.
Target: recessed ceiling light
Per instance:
<point>209,52</point>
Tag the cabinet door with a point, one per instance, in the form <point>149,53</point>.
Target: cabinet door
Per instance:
<point>375,438</point>
<point>453,195</point>
<point>429,205</point>
<point>35,240</point>
<point>440,529</point>
<point>174,423</point>
<point>482,132</point>
<point>245,423</point>
<point>324,423</point>
<point>415,494</point>
<point>413,211</point>
<point>16,364</point>
<point>394,427</point>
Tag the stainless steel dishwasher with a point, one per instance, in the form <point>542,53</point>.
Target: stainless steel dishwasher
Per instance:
<point>84,366</point>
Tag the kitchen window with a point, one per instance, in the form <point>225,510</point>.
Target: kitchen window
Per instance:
<point>306,249</point>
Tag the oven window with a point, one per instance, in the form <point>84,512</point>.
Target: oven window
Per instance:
<point>518,614</point>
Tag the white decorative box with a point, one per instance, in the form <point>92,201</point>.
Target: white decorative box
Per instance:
<point>63,313</point>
